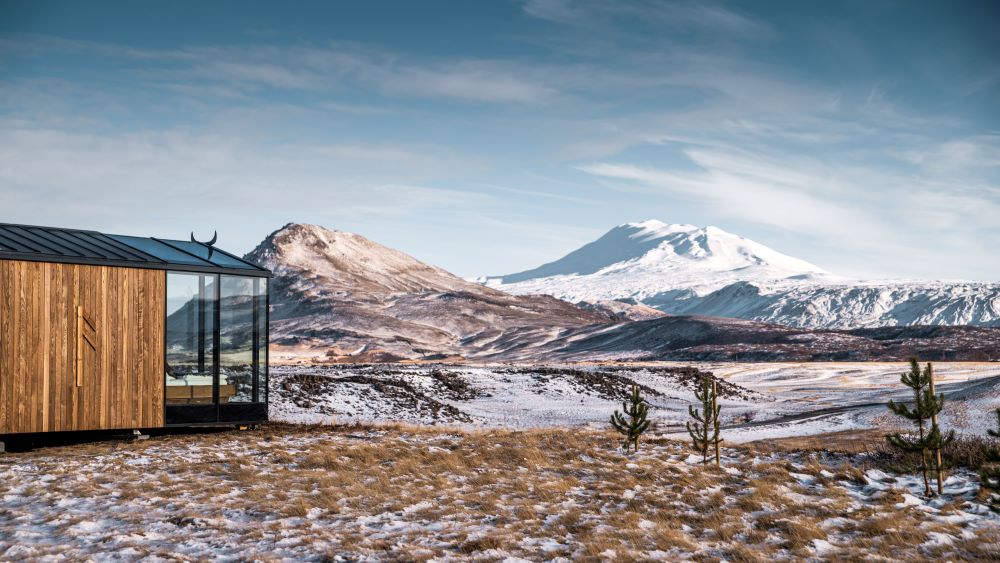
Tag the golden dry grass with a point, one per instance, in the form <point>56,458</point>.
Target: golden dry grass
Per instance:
<point>417,493</point>
<point>846,441</point>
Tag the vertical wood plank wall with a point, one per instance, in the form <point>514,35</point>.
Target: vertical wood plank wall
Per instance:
<point>122,381</point>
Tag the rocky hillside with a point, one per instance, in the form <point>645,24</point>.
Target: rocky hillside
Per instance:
<point>722,339</point>
<point>342,297</point>
<point>339,297</point>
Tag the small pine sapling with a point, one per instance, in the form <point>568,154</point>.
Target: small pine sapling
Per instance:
<point>926,406</point>
<point>935,439</point>
<point>635,408</point>
<point>989,473</point>
<point>704,429</point>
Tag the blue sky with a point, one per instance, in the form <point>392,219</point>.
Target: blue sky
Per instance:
<point>489,137</point>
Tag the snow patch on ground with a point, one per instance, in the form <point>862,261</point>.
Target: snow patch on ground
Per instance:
<point>336,494</point>
<point>778,399</point>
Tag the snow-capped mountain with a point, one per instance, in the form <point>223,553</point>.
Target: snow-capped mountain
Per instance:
<point>687,270</point>
<point>642,260</point>
<point>339,296</point>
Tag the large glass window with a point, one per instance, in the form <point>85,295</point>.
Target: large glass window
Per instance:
<point>236,360</point>
<point>191,302</point>
<point>216,339</point>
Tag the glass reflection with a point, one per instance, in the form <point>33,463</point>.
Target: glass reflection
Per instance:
<point>191,301</point>
<point>236,335</point>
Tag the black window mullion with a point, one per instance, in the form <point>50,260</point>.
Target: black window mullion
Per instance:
<point>255,341</point>
<point>217,344</point>
<point>203,302</point>
<point>267,341</point>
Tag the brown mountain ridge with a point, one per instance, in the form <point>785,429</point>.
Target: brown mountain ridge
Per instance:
<point>340,297</point>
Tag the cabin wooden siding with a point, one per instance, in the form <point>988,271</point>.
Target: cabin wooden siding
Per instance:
<point>54,378</point>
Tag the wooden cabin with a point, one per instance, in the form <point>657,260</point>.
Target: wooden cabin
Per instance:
<point>103,332</point>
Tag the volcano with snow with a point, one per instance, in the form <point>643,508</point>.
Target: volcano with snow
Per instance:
<point>687,270</point>
<point>340,297</point>
<point>641,260</point>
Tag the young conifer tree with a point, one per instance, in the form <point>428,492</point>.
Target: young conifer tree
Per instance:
<point>704,429</point>
<point>635,408</point>
<point>926,407</point>
<point>989,474</point>
<point>935,439</point>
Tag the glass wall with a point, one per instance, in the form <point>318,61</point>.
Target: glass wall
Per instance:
<point>216,339</point>
<point>191,308</point>
<point>236,361</point>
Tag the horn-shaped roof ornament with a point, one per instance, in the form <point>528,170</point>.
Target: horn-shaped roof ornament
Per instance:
<point>215,237</point>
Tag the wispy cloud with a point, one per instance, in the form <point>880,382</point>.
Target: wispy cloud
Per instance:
<point>157,180</point>
<point>754,191</point>
<point>903,218</point>
<point>241,69</point>
<point>669,14</point>
<point>854,149</point>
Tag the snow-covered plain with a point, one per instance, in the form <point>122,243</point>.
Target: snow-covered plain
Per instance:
<point>510,463</point>
<point>362,494</point>
<point>777,399</point>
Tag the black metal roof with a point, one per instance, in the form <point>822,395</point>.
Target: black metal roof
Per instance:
<point>75,246</point>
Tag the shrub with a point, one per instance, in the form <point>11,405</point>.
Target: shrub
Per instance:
<point>636,408</point>
<point>704,428</point>
<point>929,441</point>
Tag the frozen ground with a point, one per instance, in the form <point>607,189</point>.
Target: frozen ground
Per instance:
<point>765,400</point>
<point>821,397</point>
<point>364,494</point>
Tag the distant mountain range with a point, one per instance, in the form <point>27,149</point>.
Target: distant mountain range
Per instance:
<point>687,270</point>
<point>343,297</point>
<point>339,297</point>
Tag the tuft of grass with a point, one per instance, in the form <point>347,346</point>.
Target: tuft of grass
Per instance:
<point>966,450</point>
<point>482,543</point>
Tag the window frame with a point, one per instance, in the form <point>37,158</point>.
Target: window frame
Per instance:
<point>260,340</point>
<point>252,284</point>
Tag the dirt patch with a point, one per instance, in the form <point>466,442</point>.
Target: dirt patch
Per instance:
<point>455,387</point>
<point>690,377</point>
<point>605,384</point>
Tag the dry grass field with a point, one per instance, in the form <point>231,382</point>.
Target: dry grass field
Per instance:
<point>415,493</point>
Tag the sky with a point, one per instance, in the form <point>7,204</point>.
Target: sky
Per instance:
<point>490,137</point>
